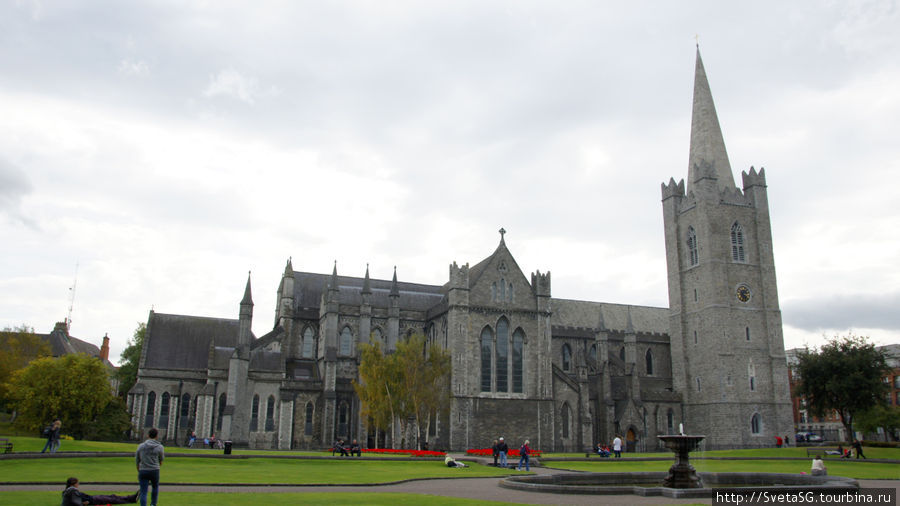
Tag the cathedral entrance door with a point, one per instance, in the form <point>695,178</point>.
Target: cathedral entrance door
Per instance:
<point>630,440</point>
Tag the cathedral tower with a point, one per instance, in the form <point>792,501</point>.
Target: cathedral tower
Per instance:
<point>725,323</point>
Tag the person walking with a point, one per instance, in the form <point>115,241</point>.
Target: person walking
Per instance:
<point>149,458</point>
<point>617,446</point>
<point>857,448</point>
<point>502,449</point>
<point>524,452</point>
<point>52,435</point>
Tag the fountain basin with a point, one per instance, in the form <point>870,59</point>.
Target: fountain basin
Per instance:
<point>648,484</point>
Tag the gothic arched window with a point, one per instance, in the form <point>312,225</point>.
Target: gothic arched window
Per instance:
<point>378,337</point>
<point>648,358</point>
<point>308,428</point>
<point>151,408</point>
<point>270,413</point>
<point>693,247</point>
<point>622,353</point>
<point>593,353</point>
<point>564,419</point>
<point>518,350</point>
<point>737,243</point>
<point>164,410</point>
<point>502,355</point>
<point>343,419</point>
<point>566,358</point>
<point>755,423</point>
<point>487,352</point>
<point>670,421</point>
<point>222,400</point>
<point>185,405</point>
<point>751,373</point>
<point>254,414</point>
<point>308,341</point>
<point>346,337</point>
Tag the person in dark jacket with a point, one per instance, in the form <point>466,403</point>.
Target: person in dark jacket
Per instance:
<point>502,449</point>
<point>72,496</point>
<point>495,452</point>
<point>52,435</point>
<point>355,449</point>
<point>857,447</point>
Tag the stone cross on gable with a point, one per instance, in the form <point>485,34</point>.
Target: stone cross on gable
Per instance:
<point>502,233</point>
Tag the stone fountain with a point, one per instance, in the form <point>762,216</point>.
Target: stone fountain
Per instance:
<point>682,474</point>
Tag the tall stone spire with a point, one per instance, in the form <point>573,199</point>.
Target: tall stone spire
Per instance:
<point>708,158</point>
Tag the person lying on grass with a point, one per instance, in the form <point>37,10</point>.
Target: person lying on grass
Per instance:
<point>450,462</point>
<point>74,497</point>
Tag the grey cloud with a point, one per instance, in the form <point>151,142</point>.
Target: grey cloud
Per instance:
<point>876,311</point>
<point>14,184</point>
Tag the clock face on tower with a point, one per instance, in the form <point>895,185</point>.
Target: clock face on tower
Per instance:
<point>743,293</point>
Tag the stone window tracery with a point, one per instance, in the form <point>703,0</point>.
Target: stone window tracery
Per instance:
<point>737,243</point>
<point>693,247</point>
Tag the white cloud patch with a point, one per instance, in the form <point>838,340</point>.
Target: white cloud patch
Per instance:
<point>130,67</point>
<point>231,83</point>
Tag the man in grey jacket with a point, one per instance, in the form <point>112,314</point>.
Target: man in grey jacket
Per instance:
<point>148,458</point>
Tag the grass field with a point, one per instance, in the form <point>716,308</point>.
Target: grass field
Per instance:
<point>260,470</point>
<point>222,499</point>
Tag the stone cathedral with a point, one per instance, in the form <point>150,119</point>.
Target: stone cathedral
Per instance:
<point>563,373</point>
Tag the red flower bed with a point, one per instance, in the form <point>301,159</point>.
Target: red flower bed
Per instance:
<point>411,453</point>
<point>487,452</point>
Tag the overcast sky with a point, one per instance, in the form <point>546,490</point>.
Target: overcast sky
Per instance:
<point>167,148</point>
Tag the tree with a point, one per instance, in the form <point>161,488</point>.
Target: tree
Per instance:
<point>18,346</point>
<point>884,416</point>
<point>844,375</point>
<point>73,388</point>
<point>412,382</point>
<point>131,360</point>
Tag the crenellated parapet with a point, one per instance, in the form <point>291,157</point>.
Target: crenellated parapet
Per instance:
<point>753,178</point>
<point>735,197</point>
<point>459,276</point>
<point>540,283</point>
<point>672,189</point>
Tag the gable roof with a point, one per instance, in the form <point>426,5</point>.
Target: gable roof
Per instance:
<point>182,342</point>
<point>308,288</point>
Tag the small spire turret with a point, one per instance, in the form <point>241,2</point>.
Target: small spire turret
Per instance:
<point>367,285</point>
<point>395,290</point>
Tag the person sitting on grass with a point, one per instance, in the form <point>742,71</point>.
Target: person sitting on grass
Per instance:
<point>818,467</point>
<point>450,462</point>
<point>74,497</point>
<point>604,451</point>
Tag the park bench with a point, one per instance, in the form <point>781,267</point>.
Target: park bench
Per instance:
<point>6,446</point>
<point>823,451</point>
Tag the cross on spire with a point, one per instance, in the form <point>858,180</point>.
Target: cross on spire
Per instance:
<point>502,233</point>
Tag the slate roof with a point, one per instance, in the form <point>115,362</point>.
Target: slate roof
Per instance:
<point>182,342</point>
<point>308,288</point>
<point>63,344</point>
<point>602,315</point>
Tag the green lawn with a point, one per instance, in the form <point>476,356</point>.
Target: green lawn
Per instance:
<point>858,470</point>
<point>259,470</point>
<point>239,499</point>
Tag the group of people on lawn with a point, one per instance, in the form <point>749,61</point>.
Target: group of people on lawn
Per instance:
<point>500,450</point>
<point>604,451</point>
<point>345,450</point>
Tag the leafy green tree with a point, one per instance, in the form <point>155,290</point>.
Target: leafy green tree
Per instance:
<point>73,388</point>
<point>884,416</point>
<point>413,381</point>
<point>18,346</point>
<point>844,375</point>
<point>130,360</point>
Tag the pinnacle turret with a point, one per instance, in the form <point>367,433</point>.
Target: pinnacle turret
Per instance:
<point>395,291</point>
<point>708,158</point>
<point>367,285</point>
<point>333,285</point>
<point>248,299</point>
